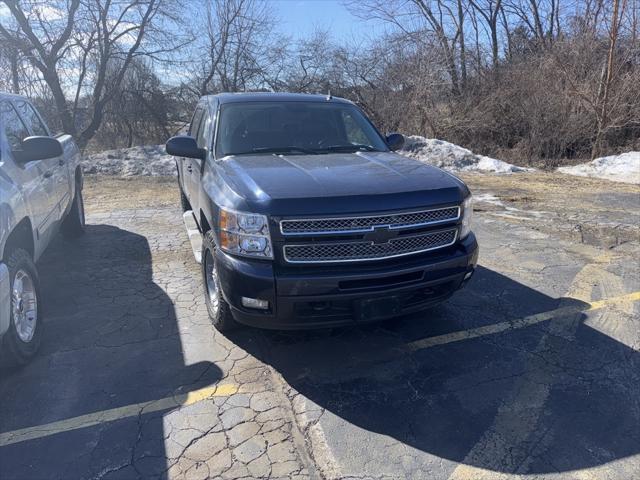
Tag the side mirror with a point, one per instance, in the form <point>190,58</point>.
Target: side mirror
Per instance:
<point>184,146</point>
<point>38,148</point>
<point>395,141</point>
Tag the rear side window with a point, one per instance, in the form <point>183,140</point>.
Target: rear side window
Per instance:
<point>14,127</point>
<point>32,119</point>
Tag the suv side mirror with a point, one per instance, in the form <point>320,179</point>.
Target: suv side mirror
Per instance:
<point>184,146</point>
<point>395,141</point>
<point>38,148</point>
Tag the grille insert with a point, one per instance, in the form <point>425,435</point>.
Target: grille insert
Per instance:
<point>361,251</point>
<point>363,224</point>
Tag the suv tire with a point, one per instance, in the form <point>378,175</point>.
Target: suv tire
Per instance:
<point>22,340</point>
<point>218,309</point>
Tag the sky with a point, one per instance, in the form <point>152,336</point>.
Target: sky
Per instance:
<point>299,18</point>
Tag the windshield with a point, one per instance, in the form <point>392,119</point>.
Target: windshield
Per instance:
<point>294,128</point>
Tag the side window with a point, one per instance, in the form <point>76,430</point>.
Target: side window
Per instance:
<point>203,129</point>
<point>14,127</point>
<point>195,122</point>
<point>32,119</point>
<point>353,130</point>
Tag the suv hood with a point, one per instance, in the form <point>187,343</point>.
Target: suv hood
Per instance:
<point>336,183</point>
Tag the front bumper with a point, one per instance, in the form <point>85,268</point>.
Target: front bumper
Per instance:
<point>5,299</point>
<point>305,298</point>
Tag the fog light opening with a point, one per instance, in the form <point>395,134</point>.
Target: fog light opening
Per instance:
<point>255,303</point>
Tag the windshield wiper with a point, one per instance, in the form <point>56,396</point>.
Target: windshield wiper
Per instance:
<point>355,147</point>
<point>284,150</point>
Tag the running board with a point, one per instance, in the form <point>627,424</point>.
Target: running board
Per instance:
<point>194,234</point>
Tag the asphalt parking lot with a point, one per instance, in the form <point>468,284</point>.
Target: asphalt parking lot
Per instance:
<point>531,372</point>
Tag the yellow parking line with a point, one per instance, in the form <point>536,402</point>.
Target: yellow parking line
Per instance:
<point>113,414</point>
<point>519,322</point>
<point>223,390</point>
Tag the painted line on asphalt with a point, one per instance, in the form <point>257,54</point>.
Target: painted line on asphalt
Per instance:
<point>223,390</point>
<point>104,416</point>
<point>506,445</point>
<point>519,322</point>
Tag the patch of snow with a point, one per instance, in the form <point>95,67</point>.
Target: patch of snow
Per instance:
<point>148,160</point>
<point>453,157</point>
<point>487,198</point>
<point>618,168</point>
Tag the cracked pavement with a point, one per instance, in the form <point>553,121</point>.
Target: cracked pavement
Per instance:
<point>127,325</point>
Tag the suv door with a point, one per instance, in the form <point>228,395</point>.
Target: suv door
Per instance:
<point>37,186</point>
<point>55,166</point>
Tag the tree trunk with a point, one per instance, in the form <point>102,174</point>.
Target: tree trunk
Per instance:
<point>15,80</point>
<point>463,54</point>
<point>608,80</point>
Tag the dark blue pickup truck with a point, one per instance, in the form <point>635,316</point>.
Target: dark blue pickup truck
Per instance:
<point>302,215</point>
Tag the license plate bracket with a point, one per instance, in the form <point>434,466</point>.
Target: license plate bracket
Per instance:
<point>377,308</point>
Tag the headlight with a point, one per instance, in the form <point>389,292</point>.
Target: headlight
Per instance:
<point>244,234</point>
<point>467,214</point>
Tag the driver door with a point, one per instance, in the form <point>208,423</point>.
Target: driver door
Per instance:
<point>188,183</point>
<point>55,166</point>
<point>203,138</point>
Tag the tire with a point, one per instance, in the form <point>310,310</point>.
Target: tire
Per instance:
<point>73,225</point>
<point>184,202</point>
<point>218,309</point>
<point>22,340</point>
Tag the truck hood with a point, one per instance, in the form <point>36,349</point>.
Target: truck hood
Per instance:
<point>336,183</point>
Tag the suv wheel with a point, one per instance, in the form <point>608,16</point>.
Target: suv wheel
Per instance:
<point>219,310</point>
<point>22,340</point>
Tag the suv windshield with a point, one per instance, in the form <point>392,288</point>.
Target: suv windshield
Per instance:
<point>294,128</point>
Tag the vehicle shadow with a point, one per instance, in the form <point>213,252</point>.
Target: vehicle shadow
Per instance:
<point>531,400</point>
<point>111,340</point>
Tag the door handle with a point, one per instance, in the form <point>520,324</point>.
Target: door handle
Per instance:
<point>48,174</point>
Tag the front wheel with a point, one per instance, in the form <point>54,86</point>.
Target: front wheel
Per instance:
<point>218,309</point>
<point>73,225</point>
<point>22,340</point>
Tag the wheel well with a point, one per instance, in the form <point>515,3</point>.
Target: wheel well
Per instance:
<point>20,237</point>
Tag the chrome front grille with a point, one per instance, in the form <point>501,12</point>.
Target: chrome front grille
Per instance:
<point>342,225</point>
<point>363,250</point>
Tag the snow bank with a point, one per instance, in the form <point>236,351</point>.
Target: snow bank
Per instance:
<point>453,157</point>
<point>618,168</point>
<point>149,160</point>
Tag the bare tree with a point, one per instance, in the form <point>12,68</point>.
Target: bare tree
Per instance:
<point>489,10</point>
<point>438,20</point>
<point>82,50</point>
<point>232,45</point>
<point>610,72</point>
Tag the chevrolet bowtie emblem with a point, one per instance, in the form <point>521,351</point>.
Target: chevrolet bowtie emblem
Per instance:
<point>380,235</point>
